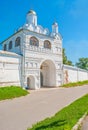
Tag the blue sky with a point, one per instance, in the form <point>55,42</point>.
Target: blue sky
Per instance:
<point>71,15</point>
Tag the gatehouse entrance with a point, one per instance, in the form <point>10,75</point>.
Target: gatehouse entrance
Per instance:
<point>47,74</point>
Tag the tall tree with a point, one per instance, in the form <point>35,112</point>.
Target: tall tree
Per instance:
<point>82,63</point>
<point>65,59</point>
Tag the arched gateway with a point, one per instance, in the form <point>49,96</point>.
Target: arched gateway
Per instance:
<point>47,74</point>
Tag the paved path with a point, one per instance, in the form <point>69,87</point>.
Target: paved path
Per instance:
<point>20,113</point>
<point>85,124</point>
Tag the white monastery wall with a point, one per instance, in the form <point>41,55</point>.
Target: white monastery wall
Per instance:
<point>9,69</point>
<point>73,74</point>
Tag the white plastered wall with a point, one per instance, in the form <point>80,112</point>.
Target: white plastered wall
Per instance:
<point>10,73</point>
<point>73,74</point>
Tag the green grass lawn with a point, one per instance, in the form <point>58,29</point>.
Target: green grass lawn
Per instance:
<point>74,84</point>
<point>11,92</point>
<point>66,118</point>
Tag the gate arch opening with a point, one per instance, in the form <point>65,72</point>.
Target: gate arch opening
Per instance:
<point>48,74</point>
<point>31,82</point>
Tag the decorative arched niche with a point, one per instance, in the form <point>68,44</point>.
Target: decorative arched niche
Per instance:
<point>17,41</point>
<point>34,41</point>
<point>47,44</point>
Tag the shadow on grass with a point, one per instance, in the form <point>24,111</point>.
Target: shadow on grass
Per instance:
<point>54,124</point>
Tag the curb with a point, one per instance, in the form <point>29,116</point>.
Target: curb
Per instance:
<point>79,122</point>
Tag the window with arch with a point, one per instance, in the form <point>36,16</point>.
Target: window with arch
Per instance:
<point>17,41</point>
<point>5,47</point>
<point>34,41</point>
<point>10,45</point>
<point>47,44</point>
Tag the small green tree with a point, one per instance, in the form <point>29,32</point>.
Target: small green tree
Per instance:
<point>65,59</point>
<point>82,63</point>
<point>69,63</point>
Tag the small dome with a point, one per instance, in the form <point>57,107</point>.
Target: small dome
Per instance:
<point>32,12</point>
<point>55,23</point>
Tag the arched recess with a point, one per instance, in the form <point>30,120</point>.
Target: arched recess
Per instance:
<point>30,82</point>
<point>47,44</point>
<point>5,47</point>
<point>48,74</point>
<point>34,41</point>
<point>10,45</point>
<point>17,41</point>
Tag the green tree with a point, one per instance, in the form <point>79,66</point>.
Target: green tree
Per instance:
<point>69,63</point>
<point>82,63</point>
<point>65,59</point>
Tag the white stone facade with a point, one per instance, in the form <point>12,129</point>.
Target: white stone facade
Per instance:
<point>40,53</point>
<point>32,57</point>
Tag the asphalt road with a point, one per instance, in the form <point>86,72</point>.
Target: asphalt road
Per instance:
<point>21,113</point>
